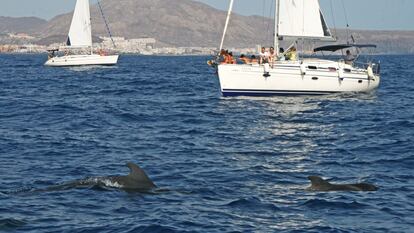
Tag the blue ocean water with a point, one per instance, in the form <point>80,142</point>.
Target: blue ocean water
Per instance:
<point>225,164</point>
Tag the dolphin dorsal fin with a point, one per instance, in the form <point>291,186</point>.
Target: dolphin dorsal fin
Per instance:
<point>317,181</point>
<point>137,173</point>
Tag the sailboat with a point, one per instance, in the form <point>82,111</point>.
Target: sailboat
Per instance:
<point>298,20</point>
<point>80,38</point>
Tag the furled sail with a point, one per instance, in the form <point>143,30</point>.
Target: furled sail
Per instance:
<point>302,19</point>
<point>80,33</point>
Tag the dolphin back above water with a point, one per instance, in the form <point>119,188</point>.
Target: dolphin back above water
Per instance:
<point>319,184</point>
<point>137,179</point>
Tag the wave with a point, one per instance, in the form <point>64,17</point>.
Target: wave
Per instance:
<point>92,183</point>
<point>252,202</point>
<point>10,223</point>
<point>153,229</point>
<point>318,229</point>
<point>95,183</point>
<point>319,203</point>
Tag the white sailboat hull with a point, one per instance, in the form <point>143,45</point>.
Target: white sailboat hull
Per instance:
<point>313,77</point>
<point>82,60</point>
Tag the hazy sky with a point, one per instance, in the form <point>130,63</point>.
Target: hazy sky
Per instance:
<point>362,14</point>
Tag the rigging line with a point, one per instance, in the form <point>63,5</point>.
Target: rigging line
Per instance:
<point>271,10</point>
<point>347,22</point>
<point>303,19</point>
<point>333,20</point>
<point>271,13</point>
<point>106,23</point>
<point>264,18</point>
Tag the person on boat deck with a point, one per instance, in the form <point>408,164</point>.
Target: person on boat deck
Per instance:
<point>226,57</point>
<point>230,59</point>
<point>281,56</point>
<point>291,55</point>
<point>349,58</point>
<point>222,56</point>
<point>253,60</point>
<point>51,54</point>
<point>245,59</point>
<point>272,56</point>
<point>102,52</point>
<point>264,56</point>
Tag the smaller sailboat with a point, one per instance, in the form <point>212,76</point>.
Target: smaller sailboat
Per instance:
<point>78,50</point>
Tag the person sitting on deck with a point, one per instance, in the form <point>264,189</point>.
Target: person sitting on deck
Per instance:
<point>253,60</point>
<point>223,54</point>
<point>264,56</point>
<point>102,52</point>
<point>51,54</point>
<point>230,58</point>
<point>349,58</point>
<point>227,57</point>
<point>291,55</point>
<point>245,59</point>
<point>272,56</point>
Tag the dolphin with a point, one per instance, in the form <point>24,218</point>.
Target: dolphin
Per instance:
<point>321,185</point>
<point>136,181</point>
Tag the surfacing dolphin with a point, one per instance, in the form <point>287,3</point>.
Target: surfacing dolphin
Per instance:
<point>136,181</point>
<point>320,185</point>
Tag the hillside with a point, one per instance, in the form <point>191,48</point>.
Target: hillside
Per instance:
<point>171,22</point>
<point>184,23</point>
<point>30,25</point>
<point>387,41</point>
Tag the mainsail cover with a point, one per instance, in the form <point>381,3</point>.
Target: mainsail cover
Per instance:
<point>302,19</point>
<point>80,33</point>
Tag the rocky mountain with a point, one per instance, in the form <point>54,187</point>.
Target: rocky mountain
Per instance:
<point>30,25</point>
<point>188,23</point>
<point>171,22</point>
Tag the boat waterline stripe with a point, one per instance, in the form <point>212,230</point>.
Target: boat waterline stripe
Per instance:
<point>257,92</point>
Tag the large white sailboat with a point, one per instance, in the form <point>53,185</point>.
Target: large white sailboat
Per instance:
<point>298,20</point>
<point>80,39</point>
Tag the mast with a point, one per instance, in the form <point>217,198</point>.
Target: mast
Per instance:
<point>276,34</point>
<point>227,23</point>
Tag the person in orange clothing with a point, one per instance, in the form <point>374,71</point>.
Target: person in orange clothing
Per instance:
<point>231,59</point>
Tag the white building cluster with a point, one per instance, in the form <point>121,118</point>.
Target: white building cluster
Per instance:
<point>138,46</point>
<point>143,46</point>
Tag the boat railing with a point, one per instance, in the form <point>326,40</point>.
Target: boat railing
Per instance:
<point>376,67</point>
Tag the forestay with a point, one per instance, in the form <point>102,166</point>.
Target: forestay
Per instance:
<point>302,19</point>
<point>80,33</point>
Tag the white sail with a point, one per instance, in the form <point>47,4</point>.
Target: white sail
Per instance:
<point>302,19</point>
<point>80,33</point>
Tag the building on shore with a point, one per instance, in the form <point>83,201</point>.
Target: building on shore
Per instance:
<point>23,43</point>
<point>26,48</point>
<point>122,45</point>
